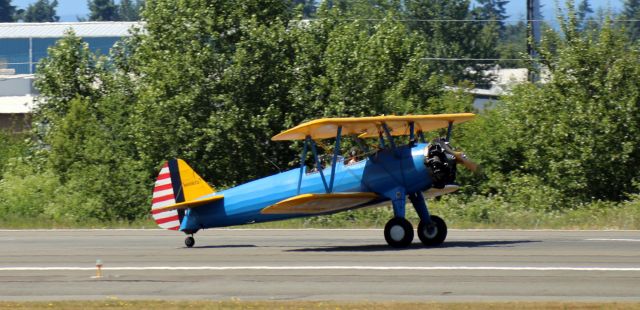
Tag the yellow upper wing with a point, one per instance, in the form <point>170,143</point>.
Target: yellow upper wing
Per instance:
<point>367,127</point>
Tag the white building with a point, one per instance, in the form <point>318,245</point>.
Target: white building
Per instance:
<point>503,81</point>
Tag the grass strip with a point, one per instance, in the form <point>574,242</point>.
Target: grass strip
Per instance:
<point>479,214</point>
<point>115,303</point>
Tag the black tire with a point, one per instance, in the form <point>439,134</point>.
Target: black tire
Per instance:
<point>436,237</point>
<point>398,232</point>
<point>189,241</point>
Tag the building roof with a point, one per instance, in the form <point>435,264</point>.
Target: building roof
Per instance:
<point>56,30</point>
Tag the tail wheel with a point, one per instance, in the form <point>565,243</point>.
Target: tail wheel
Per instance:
<point>398,232</point>
<point>433,234</point>
<point>189,241</point>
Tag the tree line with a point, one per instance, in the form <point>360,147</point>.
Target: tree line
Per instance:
<point>212,83</point>
<point>42,11</point>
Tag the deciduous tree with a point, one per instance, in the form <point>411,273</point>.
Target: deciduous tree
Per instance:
<point>579,134</point>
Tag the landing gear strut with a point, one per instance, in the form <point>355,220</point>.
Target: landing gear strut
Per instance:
<point>398,232</point>
<point>189,241</point>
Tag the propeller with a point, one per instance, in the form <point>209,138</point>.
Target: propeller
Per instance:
<point>461,158</point>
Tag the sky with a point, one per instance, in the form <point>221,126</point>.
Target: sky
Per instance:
<point>516,9</point>
<point>69,10</point>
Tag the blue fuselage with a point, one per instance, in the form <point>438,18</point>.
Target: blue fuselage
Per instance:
<point>379,173</point>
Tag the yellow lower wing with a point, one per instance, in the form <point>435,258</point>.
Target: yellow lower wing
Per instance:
<point>319,203</point>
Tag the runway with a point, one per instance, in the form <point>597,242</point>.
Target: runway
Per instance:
<point>472,265</point>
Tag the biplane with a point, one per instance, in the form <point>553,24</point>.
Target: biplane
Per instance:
<point>388,172</point>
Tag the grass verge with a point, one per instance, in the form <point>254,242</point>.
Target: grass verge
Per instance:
<point>479,213</point>
<point>285,305</point>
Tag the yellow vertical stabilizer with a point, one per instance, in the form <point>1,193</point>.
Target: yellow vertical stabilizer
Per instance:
<point>193,186</point>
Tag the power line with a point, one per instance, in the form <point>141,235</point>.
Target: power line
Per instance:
<point>474,59</point>
<point>441,20</point>
<point>463,20</point>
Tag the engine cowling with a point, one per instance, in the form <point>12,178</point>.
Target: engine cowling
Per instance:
<point>441,164</point>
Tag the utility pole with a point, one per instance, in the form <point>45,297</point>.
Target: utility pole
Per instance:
<point>533,33</point>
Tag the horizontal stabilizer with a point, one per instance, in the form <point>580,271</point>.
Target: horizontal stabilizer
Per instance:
<point>319,203</point>
<point>188,204</point>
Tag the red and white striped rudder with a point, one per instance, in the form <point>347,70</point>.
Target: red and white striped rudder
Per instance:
<point>163,195</point>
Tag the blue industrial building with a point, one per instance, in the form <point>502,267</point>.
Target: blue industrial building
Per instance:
<point>22,45</point>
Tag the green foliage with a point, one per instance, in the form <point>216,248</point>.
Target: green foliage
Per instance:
<point>41,11</point>
<point>84,123</point>
<point>71,71</point>
<point>212,82</point>
<point>209,83</point>
<point>574,139</point>
<point>512,44</point>
<point>12,147</point>
<point>486,212</point>
<point>584,9</point>
<point>306,7</point>
<point>223,95</point>
<point>493,9</point>
<point>453,39</point>
<point>99,170</point>
<point>496,212</point>
<point>26,192</point>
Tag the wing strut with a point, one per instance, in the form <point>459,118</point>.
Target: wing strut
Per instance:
<point>387,131</point>
<point>334,161</point>
<point>392,142</point>
<point>302,160</point>
<point>412,126</point>
<point>381,139</point>
<point>318,164</point>
<point>449,130</point>
<point>336,152</point>
<point>421,136</point>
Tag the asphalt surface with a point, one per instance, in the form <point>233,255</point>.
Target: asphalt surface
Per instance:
<point>472,265</point>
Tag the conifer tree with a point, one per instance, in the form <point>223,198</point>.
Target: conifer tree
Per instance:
<point>631,11</point>
<point>102,10</point>
<point>7,11</point>
<point>128,10</point>
<point>41,11</point>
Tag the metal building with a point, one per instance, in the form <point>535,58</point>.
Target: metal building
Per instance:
<point>22,45</point>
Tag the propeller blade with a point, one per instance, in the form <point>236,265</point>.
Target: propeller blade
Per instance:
<point>466,162</point>
<point>461,158</point>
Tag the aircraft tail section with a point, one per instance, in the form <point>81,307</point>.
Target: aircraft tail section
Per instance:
<point>177,185</point>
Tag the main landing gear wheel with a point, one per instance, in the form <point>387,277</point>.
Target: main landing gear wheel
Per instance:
<point>433,235</point>
<point>189,241</point>
<point>398,232</point>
